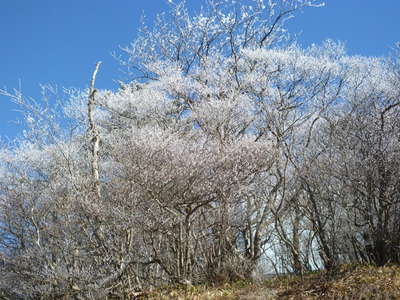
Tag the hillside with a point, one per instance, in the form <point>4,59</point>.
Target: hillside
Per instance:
<point>348,282</point>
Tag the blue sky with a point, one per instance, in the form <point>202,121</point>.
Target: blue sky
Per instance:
<point>58,42</point>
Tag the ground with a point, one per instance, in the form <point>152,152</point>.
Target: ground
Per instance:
<point>347,282</point>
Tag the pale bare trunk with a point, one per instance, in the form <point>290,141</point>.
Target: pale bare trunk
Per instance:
<point>94,133</point>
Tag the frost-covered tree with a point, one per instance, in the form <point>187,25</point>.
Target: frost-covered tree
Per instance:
<point>359,147</point>
<point>229,147</point>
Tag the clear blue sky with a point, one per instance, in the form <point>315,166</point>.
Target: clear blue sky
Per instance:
<point>59,41</point>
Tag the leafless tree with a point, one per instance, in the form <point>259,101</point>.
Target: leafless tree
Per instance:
<point>230,147</point>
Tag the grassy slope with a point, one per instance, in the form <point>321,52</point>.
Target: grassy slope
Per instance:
<point>348,282</point>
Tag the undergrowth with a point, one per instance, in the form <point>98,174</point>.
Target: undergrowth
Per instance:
<point>348,282</point>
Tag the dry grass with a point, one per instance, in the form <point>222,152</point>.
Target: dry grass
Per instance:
<point>230,291</point>
<point>348,282</point>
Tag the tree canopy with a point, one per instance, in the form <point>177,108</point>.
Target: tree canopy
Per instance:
<point>231,151</point>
